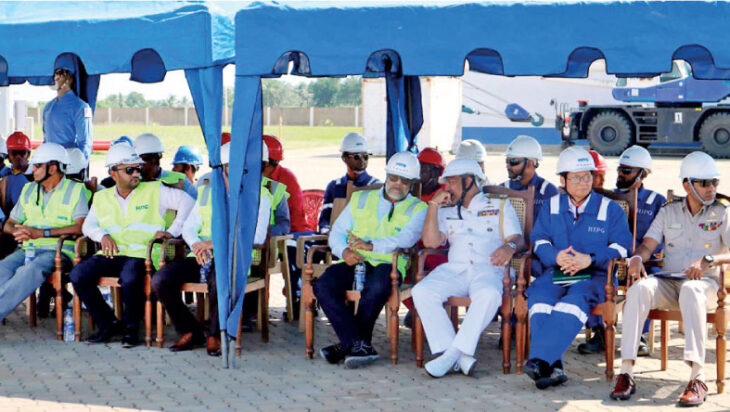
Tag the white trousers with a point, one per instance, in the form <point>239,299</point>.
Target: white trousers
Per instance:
<point>481,283</point>
<point>693,298</point>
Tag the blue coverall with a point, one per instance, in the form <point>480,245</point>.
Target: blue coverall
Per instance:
<point>67,121</point>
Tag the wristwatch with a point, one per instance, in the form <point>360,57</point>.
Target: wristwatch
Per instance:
<point>709,259</point>
<point>513,245</point>
<point>47,233</point>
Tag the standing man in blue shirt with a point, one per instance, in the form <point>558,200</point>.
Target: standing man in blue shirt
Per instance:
<point>522,160</point>
<point>67,120</point>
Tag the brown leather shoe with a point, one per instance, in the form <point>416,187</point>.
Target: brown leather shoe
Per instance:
<point>625,387</point>
<point>694,394</point>
<point>187,341</point>
<point>214,346</point>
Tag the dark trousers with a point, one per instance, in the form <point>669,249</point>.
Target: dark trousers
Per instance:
<point>330,291</point>
<point>166,284</point>
<point>85,278</point>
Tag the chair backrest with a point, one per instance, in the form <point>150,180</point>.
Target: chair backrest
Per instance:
<point>312,199</point>
<point>628,202</point>
<point>523,202</point>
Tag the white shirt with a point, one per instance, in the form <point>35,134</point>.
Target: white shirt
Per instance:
<point>476,236</point>
<point>193,224</point>
<point>170,199</point>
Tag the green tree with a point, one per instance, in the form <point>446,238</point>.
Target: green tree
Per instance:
<point>323,91</point>
<point>135,99</point>
<point>350,92</point>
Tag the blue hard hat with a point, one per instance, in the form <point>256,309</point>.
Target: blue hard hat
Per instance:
<point>124,139</point>
<point>188,155</point>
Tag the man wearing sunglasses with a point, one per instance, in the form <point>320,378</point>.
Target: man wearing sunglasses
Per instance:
<point>355,154</point>
<point>150,149</point>
<point>49,207</point>
<point>124,219</point>
<point>634,166</point>
<point>696,235</point>
<point>577,233</point>
<point>483,235</point>
<point>373,225</point>
<point>67,120</point>
<point>13,181</point>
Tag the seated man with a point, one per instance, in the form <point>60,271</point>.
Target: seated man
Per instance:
<point>577,233</point>
<point>696,236</point>
<point>470,222</point>
<point>522,157</point>
<point>187,161</point>
<point>13,182</point>
<point>373,225</point>
<point>198,235</point>
<point>473,149</point>
<point>49,207</point>
<point>76,169</point>
<point>280,217</point>
<point>150,148</point>
<point>129,216</point>
<point>599,175</point>
<point>108,182</point>
<point>634,166</point>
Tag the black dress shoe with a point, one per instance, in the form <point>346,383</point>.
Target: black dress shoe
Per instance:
<point>596,344</point>
<point>130,339</point>
<point>334,354</point>
<point>104,335</point>
<point>536,369</point>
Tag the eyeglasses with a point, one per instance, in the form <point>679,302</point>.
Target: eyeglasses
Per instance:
<point>514,162</point>
<point>396,179</point>
<point>707,182</point>
<point>357,156</point>
<point>148,157</point>
<point>129,169</point>
<point>625,170</point>
<point>577,179</point>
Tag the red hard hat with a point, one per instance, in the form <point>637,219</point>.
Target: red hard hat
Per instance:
<point>225,138</point>
<point>600,161</point>
<point>18,141</point>
<point>276,151</point>
<point>432,156</point>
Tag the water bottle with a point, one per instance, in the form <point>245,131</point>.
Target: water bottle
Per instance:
<point>205,271</point>
<point>359,277</point>
<point>68,327</point>
<point>29,253</point>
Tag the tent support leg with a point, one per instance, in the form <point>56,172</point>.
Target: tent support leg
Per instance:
<point>224,348</point>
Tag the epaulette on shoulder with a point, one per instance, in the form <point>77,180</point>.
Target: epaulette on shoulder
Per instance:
<point>723,201</point>
<point>670,201</point>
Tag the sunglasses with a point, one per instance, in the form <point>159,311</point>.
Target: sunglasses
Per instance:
<point>61,72</point>
<point>357,156</point>
<point>707,182</point>
<point>18,152</point>
<point>129,169</point>
<point>577,179</point>
<point>625,170</point>
<point>514,162</point>
<point>396,179</point>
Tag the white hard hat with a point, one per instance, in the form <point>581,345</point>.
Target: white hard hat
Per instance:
<point>463,166</point>
<point>3,147</point>
<point>48,152</point>
<point>575,159</point>
<point>636,156</point>
<point>226,153</point>
<point>354,143</point>
<point>122,154</point>
<point>524,147</point>
<point>76,161</point>
<point>148,143</point>
<point>264,153</point>
<point>698,165</point>
<point>471,149</point>
<point>404,164</point>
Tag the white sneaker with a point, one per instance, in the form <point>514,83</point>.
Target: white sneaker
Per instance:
<point>440,366</point>
<point>466,364</point>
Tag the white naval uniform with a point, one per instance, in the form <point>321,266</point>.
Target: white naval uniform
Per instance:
<point>468,272</point>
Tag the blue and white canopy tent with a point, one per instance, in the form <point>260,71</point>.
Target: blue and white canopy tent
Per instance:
<point>404,41</point>
<point>145,39</point>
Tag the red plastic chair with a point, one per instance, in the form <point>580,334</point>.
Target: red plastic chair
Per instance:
<point>313,199</point>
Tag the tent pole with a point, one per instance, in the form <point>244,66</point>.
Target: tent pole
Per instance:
<point>224,348</point>
<point>233,286</point>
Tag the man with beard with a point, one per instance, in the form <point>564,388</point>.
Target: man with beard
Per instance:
<point>432,166</point>
<point>577,234</point>
<point>696,236</point>
<point>373,225</point>
<point>12,183</point>
<point>483,234</point>
<point>634,166</point>
<point>129,216</point>
<point>355,153</point>
<point>187,161</point>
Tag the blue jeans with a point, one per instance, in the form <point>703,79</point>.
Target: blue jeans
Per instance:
<point>18,281</point>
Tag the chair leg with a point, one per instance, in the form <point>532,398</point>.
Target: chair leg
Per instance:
<point>116,301</point>
<point>301,318</point>
<point>148,312</point>
<point>77,317</point>
<point>307,300</point>
<point>721,346</point>
<point>59,307</point>
<point>610,338</point>
<point>680,328</point>
<point>32,319</point>
<point>418,333</point>
<point>201,307</point>
<point>393,327</point>
<point>454,310</point>
<point>160,341</point>
<point>264,314</point>
<point>238,335</point>
<point>287,285</point>
<point>665,343</point>
<point>650,338</point>
<point>521,336</point>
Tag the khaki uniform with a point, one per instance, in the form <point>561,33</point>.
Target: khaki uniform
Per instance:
<point>686,239</point>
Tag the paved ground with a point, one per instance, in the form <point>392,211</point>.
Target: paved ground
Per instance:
<point>38,373</point>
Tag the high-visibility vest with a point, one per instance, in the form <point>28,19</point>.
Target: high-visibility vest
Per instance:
<point>364,207</point>
<point>134,231</point>
<point>277,194</point>
<point>57,213</point>
<point>176,180</point>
